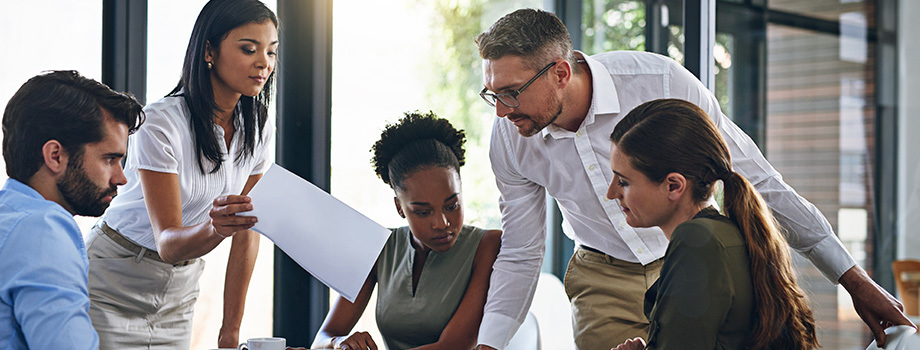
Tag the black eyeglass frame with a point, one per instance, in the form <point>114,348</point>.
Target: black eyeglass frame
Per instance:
<point>513,94</point>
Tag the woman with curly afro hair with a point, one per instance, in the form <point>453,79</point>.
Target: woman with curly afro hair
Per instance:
<point>432,275</point>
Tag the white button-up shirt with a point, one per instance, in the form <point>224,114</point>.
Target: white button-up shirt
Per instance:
<point>574,168</point>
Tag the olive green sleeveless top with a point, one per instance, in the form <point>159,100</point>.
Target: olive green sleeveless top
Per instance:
<point>406,320</point>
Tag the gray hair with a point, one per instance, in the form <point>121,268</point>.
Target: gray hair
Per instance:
<point>537,36</point>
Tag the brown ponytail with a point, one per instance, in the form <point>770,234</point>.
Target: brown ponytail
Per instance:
<point>782,318</point>
<point>675,136</point>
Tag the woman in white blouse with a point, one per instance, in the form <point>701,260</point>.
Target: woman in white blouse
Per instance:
<point>204,146</point>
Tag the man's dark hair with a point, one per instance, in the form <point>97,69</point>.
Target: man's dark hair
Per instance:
<point>63,106</point>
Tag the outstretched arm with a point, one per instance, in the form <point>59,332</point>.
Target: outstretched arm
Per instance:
<point>517,268</point>
<point>243,252</point>
<point>240,264</point>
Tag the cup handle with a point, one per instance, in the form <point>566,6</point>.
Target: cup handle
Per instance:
<point>242,346</point>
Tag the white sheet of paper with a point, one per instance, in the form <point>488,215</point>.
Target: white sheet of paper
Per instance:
<point>333,242</point>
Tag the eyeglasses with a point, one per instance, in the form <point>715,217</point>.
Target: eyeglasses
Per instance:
<point>509,99</point>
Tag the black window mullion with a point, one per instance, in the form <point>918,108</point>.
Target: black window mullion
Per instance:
<point>304,75</point>
<point>124,46</point>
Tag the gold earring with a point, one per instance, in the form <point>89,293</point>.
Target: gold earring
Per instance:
<point>209,65</point>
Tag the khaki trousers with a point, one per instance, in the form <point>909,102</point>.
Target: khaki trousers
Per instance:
<point>136,302</point>
<point>607,297</point>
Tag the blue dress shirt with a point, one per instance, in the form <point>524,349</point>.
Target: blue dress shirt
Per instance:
<point>44,302</point>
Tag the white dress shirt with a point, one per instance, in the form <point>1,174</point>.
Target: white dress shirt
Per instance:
<point>164,143</point>
<point>574,168</point>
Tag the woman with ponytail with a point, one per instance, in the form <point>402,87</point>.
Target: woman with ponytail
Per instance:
<point>432,275</point>
<point>727,280</point>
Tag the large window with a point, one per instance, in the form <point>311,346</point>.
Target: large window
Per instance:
<point>802,86</point>
<point>819,128</point>
<point>65,36</point>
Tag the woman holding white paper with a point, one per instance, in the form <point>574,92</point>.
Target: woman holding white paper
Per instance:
<point>432,276</point>
<point>189,169</point>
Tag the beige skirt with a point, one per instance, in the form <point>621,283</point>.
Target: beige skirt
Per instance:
<point>137,302</point>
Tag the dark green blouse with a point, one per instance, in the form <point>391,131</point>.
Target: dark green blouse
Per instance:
<point>704,298</point>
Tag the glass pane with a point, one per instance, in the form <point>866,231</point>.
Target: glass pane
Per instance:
<point>610,25</point>
<point>420,56</point>
<point>722,54</point>
<point>169,25</point>
<point>826,9</point>
<point>820,127</point>
<point>672,17</point>
<point>738,58</point>
<point>67,35</point>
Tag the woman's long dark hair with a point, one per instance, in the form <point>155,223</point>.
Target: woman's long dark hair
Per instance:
<point>217,18</point>
<point>675,136</point>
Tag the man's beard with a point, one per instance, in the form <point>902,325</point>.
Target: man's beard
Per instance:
<point>80,192</point>
<point>537,124</point>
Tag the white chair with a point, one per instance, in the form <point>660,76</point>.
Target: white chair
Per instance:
<point>528,336</point>
<point>899,338</point>
<point>554,314</point>
<point>549,321</point>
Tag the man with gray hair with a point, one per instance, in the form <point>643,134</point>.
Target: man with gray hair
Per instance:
<point>556,108</point>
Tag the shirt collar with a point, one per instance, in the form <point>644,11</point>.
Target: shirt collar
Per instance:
<point>19,187</point>
<point>709,212</point>
<point>601,85</point>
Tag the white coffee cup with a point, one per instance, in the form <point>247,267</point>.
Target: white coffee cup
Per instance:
<point>264,344</point>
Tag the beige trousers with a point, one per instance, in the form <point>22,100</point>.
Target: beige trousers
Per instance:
<point>139,303</point>
<point>607,297</point>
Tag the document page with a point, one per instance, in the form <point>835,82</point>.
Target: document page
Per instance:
<point>333,242</point>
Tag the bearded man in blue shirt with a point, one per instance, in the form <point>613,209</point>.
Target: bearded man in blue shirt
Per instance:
<point>64,136</point>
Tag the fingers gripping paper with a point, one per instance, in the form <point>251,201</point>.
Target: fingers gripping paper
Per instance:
<point>315,229</point>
